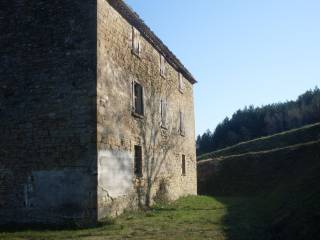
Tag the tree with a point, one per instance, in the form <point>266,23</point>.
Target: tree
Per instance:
<point>159,133</point>
<point>253,122</point>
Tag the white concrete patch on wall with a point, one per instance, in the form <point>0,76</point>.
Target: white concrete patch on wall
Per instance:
<point>115,173</point>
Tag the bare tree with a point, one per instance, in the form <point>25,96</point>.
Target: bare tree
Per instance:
<point>159,132</point>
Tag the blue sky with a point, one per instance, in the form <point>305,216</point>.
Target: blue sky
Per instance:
<point>242,52</point>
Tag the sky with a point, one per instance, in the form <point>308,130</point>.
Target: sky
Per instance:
<point>242,52</point>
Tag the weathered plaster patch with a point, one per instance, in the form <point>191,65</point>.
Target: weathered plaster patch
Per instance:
<point>115,173</point>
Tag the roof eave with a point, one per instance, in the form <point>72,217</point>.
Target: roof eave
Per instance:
<point>134,19</point>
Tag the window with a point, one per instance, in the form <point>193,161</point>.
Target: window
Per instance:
<point>181,83</point>
<point>162,66</point>
<point>181,127</point>
<point>136,48</point>
<point>137,98</point>
<point>138,161</point>
<point>163,113</point>
<point>183,165</point>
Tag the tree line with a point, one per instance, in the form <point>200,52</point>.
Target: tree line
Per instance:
<point>253,122</point>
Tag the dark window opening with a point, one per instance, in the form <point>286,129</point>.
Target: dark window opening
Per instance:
<point>138,98</point>
<point>183,165</point>
<point>138,161</point>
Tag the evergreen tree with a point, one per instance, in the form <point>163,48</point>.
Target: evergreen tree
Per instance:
<point>253,122</point>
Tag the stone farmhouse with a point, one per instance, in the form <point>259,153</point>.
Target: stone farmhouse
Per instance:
<point>96,113</point>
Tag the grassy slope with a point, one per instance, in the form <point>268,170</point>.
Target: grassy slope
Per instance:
<point>295,136</point>
<point>188,218</point>
<point>281,187</point>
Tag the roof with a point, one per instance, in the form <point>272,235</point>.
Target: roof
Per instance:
<point>134,19</point>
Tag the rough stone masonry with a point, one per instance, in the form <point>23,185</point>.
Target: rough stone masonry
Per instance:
<point>96,113</point>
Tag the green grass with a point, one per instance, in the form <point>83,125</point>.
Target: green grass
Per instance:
<point>280,187</point>
<point>194,217</point>
<point>304,134</point>
<point>189,218</point>
<point>290,209</point>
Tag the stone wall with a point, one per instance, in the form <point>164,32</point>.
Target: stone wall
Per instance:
<point>118,130</point>
<point>48,111</point>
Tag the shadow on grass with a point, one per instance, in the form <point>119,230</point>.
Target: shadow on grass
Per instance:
<point>244,219</point>
<point>280,194</point>
<point>14,227</point>
<point>285,214</point>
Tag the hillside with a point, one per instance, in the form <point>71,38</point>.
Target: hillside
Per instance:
<point>295,136</point>
<point>254,122</point>
<point>281,185</point>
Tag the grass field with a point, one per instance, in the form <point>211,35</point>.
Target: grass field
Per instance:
<point>188,218</point>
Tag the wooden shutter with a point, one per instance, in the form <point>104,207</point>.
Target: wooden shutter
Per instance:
<point>165,113</point>
<point>181,83</point>
<point>141,100</point>
<point>182,130</point>
<point>163,109</point>
<point>135,40</point>
<point>162,65</point>
<point>132,97</point>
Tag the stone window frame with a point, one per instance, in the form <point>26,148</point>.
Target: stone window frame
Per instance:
<point>133,100</point>
<point>136,42</point>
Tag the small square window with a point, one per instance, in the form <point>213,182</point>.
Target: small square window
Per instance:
<point>183,165</point>
<point>138,161</point>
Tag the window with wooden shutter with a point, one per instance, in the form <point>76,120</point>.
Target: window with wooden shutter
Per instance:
<point>181,83</point>
<point>181,127</point>
<point>137,99</point>
<point>138,161</point>
<point>136,48</point>
<point>162,66</point>
<point>163,113</point>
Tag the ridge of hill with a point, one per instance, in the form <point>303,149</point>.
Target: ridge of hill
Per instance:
<point>304,134</point>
